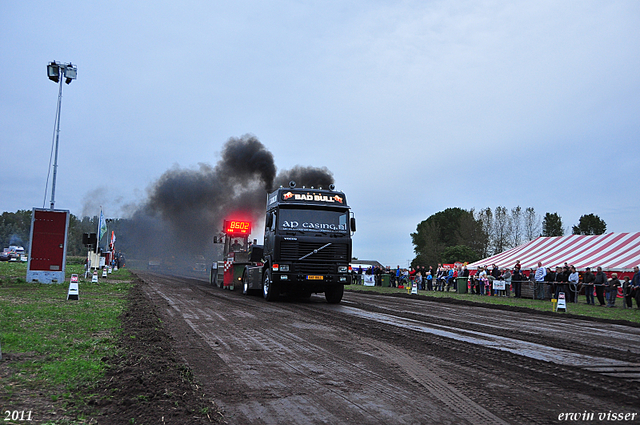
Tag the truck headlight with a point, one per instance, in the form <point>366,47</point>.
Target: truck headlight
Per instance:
<point>284,267</point>
<point>342,269</point>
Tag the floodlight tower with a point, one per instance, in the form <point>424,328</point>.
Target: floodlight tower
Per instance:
<point>56,71</point>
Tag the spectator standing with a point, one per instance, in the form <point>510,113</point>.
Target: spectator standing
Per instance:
<point>635,286</point>
<point>551,280</point>
<point>506,276</point>
<point>429,281</point>
<point>440,278</point>
<point>473,283</point>
<point>612,290</point>
<point>574,278</point>
<point>424,277</point>
<point>516,281</point>
<point>562,282</point>
<point>588,281</point>
<point>482,281</point>
<point>418,280</point>
<point>627,298</point>
<point>539,276</point>
<point>600,283</point>
<point>450,279</point>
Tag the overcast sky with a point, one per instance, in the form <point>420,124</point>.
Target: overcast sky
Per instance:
<point>414,106</point>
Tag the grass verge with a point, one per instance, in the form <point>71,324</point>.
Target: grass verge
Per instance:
<point>578,309</point>
<point>51,347</point>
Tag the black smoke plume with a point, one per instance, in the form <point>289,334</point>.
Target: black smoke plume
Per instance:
<point>186,208</point>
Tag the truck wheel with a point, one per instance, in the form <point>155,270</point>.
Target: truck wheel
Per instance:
<point>269,288</point>
<point>245,284</point>
<point>334,293</point>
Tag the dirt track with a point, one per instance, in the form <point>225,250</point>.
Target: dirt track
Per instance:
<point>389,360</point>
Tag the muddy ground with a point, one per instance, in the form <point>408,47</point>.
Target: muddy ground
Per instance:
<point>148,382</point>
<point>191,349</point>
<point>396,360</point>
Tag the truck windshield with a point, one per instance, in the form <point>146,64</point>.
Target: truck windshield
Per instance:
<point>301,220</point>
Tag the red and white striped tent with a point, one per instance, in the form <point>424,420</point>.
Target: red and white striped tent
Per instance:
<point>618,252</point>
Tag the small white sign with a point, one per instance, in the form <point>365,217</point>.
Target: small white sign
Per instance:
<point>369,280</point>
<point>499,285</point>
<point>109,270</point>
<point>72,294</point>
<point>104,272</point>
<point>414,288</point>
<point>562,302</point>
<point>94,278</point>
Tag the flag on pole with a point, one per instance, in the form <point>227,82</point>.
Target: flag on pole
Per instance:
<point>102,226</point>
<point>112,244</point>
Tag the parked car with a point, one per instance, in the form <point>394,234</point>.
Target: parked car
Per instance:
<point>5,255</point>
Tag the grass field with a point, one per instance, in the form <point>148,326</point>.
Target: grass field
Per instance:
<point>580,308</point>
<point>52,345</point>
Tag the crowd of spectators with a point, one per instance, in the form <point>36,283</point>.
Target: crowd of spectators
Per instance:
<point>545,283</point>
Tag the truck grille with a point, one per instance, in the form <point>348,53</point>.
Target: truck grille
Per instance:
<point>334,253</point>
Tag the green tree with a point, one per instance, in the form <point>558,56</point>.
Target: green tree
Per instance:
<point>552,225</point>
<point>461,253</point>
<point>590,224</point>
<point>15,228</point>
<point>448,228</point>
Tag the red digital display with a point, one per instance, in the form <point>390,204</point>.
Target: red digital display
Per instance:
<point>234,227</point>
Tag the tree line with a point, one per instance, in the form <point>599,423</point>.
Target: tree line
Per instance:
<point>462,235</point>
<point>15,229</point>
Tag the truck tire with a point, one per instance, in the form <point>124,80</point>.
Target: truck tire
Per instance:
<point>333,293</point>
<point>270,289</point>
<point>245,284</point>
<point>213,278</point>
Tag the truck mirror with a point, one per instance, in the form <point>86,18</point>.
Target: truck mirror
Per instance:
<point>353,224</point>
<point>269,222</point>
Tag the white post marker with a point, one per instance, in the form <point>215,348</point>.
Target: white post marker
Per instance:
<point>562,302</point>
<point>109,269</point>
<point>94,279</point>
<point>104,272</point>
<point>414,288</point>
<point>73,294</point>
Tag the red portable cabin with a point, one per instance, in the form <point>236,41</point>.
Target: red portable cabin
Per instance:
<point>48,246</point>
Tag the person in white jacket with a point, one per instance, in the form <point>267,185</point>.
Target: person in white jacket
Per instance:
<point>541,272</point>
<point>574,278</point>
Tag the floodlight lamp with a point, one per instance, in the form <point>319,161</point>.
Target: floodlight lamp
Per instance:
<point>53,72</point>
<point>71,73</point>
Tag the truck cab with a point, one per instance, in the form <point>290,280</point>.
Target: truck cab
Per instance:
<point>307,244</point>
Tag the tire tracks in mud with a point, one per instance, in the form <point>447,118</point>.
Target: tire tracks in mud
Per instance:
<point>370,369</point>
<point>307,379</point>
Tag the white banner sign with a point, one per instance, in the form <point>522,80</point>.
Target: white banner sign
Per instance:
<point>499,285</point>
<point>369,280</point>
